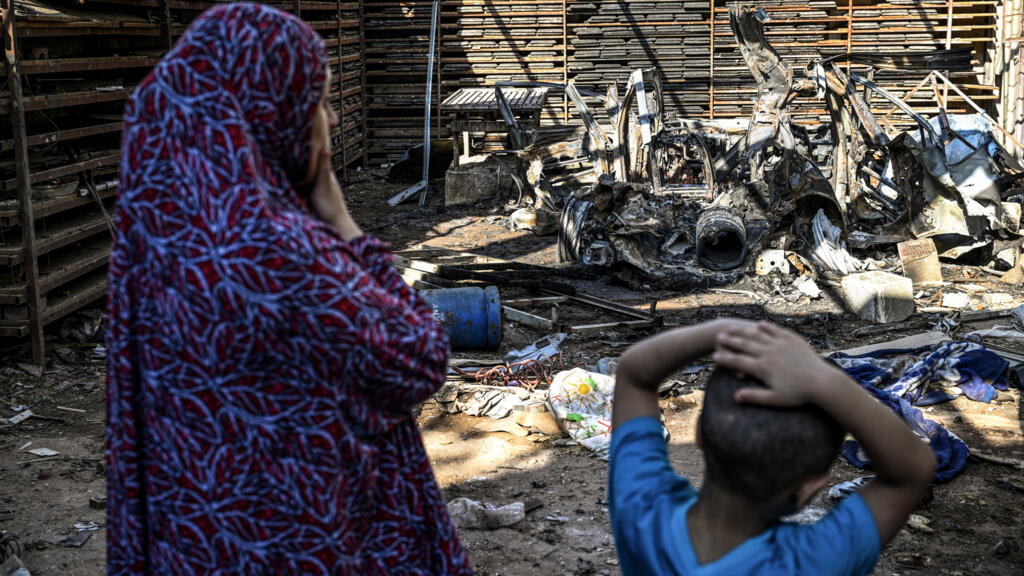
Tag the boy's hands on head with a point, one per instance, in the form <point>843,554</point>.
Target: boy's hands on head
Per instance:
<point>781,359</point>
<point>646,365</point>
<point>793,375</point>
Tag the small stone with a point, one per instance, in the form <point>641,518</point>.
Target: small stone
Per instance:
<point>808,287</point>
<point>31,369</point>
<point>956,300</point>
<point>996,298</point>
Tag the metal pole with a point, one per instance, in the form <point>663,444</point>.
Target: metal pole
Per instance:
<point>949,44</point>
<point>28,229</point>
<point>341,100</point>
<point>565,63</point>
<point>711,63</point>
<point>438,77</point>
<point>978,109</point>
<point>426,105</point>
<point>364,108</point>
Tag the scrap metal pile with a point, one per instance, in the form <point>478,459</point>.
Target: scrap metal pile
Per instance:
<point>695,201</point>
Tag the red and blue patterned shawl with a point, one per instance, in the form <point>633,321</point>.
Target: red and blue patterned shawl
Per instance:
<point>261,370</point>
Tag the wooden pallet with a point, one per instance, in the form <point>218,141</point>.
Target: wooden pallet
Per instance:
<point>78,63</point>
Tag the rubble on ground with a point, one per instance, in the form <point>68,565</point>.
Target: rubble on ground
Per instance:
<point>695,202</point>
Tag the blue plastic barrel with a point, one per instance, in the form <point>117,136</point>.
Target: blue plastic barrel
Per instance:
<point>470,316</point>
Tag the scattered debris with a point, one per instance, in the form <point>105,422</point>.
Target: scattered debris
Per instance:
<point>919,523</point>
<point>25,414</point>
<point>32,369</point>
<point>537,418</point>
<point>581,402</point>
<point>686,202</point>
<point>43,452</point>
<point>98,502</point>
<point>920,261</point>
<point>78,539</point>
<point>14,567</point>
<point>472,515</point>
<point>51,537</point>
<point>958,300</point>
<point>844,489</point>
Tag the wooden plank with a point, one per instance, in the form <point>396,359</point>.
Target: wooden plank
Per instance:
<point>63,135</point>
<point>69,231</point>
<point>44,175</point>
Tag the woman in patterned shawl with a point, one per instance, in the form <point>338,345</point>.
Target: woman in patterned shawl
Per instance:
<point>263,355</point>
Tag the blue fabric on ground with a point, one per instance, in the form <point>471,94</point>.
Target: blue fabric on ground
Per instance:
<point>923,376</point>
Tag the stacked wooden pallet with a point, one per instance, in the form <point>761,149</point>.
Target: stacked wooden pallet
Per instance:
<point>78,64</point>
<point>689,42</point>
<point>479,43</point>
<point>484,43</point>
<point>396,40</point>
<point>339,23</point>
<point>802,33</point>
<point>608,40</point>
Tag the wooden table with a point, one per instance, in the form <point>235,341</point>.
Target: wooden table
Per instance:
<point>476,113</point>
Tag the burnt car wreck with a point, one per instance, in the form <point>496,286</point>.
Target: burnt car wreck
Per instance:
<point>689,201</point>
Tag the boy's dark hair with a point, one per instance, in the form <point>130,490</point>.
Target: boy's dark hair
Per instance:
<point>759,452</point>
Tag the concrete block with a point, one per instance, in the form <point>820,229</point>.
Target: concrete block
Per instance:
<point>475,179</point>
<point>879,296</point>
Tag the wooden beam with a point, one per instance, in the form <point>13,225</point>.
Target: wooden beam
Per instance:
<point>28,229</point>
<point>165,30</point>
<point>341,101</point>
<point>362,79</point>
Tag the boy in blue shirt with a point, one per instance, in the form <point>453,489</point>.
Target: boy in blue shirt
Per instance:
<point>774,417</point>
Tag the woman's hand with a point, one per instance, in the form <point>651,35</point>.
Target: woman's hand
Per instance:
<point>328,202</point>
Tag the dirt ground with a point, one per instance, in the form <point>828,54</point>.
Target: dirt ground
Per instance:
<point>977,520</point>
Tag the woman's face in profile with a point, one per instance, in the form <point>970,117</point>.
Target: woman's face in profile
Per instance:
<point>323,121</point>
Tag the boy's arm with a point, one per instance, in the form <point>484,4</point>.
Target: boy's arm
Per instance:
<point>795,375</point>
<point>648,363</point>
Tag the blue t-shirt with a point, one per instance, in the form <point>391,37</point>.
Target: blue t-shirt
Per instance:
<point>648,503</point>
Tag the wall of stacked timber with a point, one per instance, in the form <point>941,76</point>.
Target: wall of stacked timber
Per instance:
<point>65,79</point>
<point>595,43</point>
